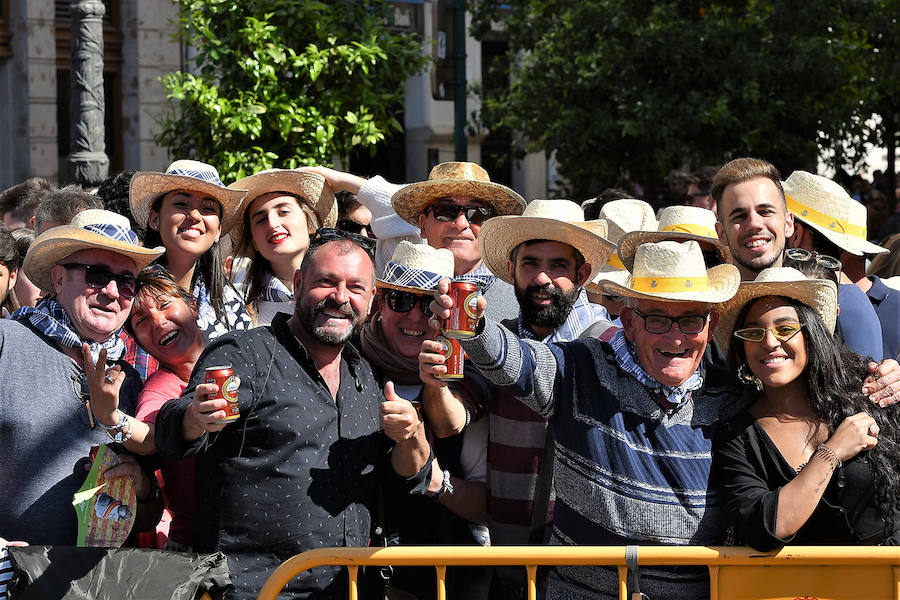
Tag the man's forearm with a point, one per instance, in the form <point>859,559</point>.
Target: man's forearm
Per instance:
<point>410,456</point>
<point>444,411</point>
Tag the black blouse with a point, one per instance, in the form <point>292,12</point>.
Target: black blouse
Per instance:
<point>750,471</point>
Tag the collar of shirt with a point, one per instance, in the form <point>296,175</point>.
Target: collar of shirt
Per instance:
<point>282,331</point>
<point>583,314</point>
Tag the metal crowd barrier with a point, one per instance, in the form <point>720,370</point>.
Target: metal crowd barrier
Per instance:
<point>735,573</point>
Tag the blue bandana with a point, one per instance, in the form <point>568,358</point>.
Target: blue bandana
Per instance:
<point>482,277</point>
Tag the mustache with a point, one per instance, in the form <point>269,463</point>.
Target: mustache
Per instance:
<point>547,288</point>
<point>345,309</point>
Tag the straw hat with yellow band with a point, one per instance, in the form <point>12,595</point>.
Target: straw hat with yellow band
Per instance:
<point>310,188</point>
<point>818,294</point>
<point>678,223</point>
<point>825,206</point>
<point>455,179</point>
<point>622,216</point>
<point>557,220</point>
<point>674,272</point>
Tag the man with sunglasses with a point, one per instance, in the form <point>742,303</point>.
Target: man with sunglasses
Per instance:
<point>47,427</point>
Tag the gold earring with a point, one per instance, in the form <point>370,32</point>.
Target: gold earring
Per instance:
<point>748,378</point>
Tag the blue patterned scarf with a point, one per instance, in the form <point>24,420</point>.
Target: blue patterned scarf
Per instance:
<point>583,314</point>
<point>482,277</point>
<point>275,290</point>
<point>50,318</point>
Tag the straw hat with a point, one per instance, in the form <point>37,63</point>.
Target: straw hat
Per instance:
<point>455,179</point>
<point>310,187</point>
<point>825,206</point>
<point>188,176</point>
<point>90,229</point>
<point>675,272</point>
<point>557,220</point>
<point>622,216</point>
<point>416,268</point>
<point>818,294</point>
<point>677,223</point>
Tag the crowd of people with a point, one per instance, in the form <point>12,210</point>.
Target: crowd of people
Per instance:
<point>719,370</point>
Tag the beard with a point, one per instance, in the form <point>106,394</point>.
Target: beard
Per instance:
<point>552,315</point>
<point>324,334</point>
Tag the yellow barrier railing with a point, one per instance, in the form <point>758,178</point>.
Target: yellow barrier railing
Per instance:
<point>798,572</point>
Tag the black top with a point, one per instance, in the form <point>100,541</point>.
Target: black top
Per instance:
<point>297,471</point>
<point>751,472</point>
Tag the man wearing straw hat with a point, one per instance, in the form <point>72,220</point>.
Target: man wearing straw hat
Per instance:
<point>47,357</point>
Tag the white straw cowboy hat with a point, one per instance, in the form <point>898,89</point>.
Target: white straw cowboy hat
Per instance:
<point>310,188</point>
<point>187,176</point>
<point>416,268</point>
<point>622,216</point>
<point>675,272</point>
<point>556,220</point>
<point>677,223</point>
<point>818,294</point>
<point>90,229</point>
<point>455,179</point>
<point>825,206</point>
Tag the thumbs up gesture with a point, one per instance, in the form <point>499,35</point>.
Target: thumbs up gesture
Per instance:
<point>399,418</point>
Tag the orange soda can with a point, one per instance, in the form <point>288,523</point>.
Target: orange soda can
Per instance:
<point>228,389</point>
<point>461,323</point>
<point>453,358</point>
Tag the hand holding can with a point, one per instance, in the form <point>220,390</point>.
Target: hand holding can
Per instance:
<point>463,313</point>
<point>228,383</point>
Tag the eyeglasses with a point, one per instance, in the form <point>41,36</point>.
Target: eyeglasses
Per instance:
<point>476,215</point>
<point>688,324</point>
<point>79,384</point>
<point>324,235</point>
<point>803,255</point>
<point>403,302</point>
<point>782,332</point>
<point>354,227</point>
<point>98,277</point>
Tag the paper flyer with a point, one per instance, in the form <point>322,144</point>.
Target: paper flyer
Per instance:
<point>105,508</point>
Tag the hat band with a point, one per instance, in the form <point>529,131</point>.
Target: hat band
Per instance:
<point>691,228</point>
<point>822,220</point>
<point>670,284</point>
<point>615,261</point>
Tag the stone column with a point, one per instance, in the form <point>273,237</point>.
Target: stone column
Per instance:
<point>88,163</point>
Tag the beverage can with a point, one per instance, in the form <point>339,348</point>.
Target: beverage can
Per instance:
<point>228,389</point>
<point>461,323</point>
<point>453,358</point>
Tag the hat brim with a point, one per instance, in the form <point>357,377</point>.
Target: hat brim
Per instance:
<point>411,200</point>
<point>723,283</point>
<point>619,276</point>
<point>819,294</point>
<point>851,244</point>
<point>381,284</point>
<point>147,186</point>
<point>54,245</point>
<point>630,242</point>
<point>310,187</point>
<point>500,235</point>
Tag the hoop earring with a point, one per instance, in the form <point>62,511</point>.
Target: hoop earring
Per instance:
<point>748,378</point>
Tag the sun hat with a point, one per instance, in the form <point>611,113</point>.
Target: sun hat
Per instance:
<point>416,268</point>
<point>309,187</point>
<point>455,179</point>
<point>556,220</point>
<point>188,176</point>
<point>622,216</point>
<point>675,272</point>
<point>818,294</point>
<point>825,206</point>
<point>677,223</point>
<point>90,229</point>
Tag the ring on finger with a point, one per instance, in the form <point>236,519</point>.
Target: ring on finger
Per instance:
<point>109,378</point>
<point>873,430</point>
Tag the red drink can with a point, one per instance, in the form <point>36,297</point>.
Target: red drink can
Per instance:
<point>228,389</point>
<point>461,323</point>
<point>453,358</point>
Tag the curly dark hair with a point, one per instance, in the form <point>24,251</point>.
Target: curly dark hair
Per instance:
<point>835,377</point>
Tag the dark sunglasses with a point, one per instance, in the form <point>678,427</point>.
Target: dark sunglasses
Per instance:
<point>98,277</point>
<point>403,302</point>
<point>476,215</point>
<point>324,235</point>
<point>354,227</point>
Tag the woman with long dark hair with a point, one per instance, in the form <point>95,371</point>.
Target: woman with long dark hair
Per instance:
<point>811,460</point>
<point>187,209</point>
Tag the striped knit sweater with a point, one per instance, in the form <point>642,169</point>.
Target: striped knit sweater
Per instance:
<point>624,471</point>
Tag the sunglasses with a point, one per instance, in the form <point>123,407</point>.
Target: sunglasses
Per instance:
<point>802,255</point>
<point>354,227</point>
<point>688,324</point>
<point>475,215</point>
<point>83,392</point>
<point>782,332</point>
<point>403,302</point>
<point>98,277</point>
<point>324,235</point>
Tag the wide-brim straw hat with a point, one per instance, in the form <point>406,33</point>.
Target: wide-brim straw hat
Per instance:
<point>622,216</point>
<point>90,229</point>
<point>416,268</point>
<point>825,206</point>
<point>818,294</point>
<point>675,272</point>
<point>679,224</point>
<point>187,176</point>
<point>310,188</point>
<point>455,179</point>
<point>555,220</point>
